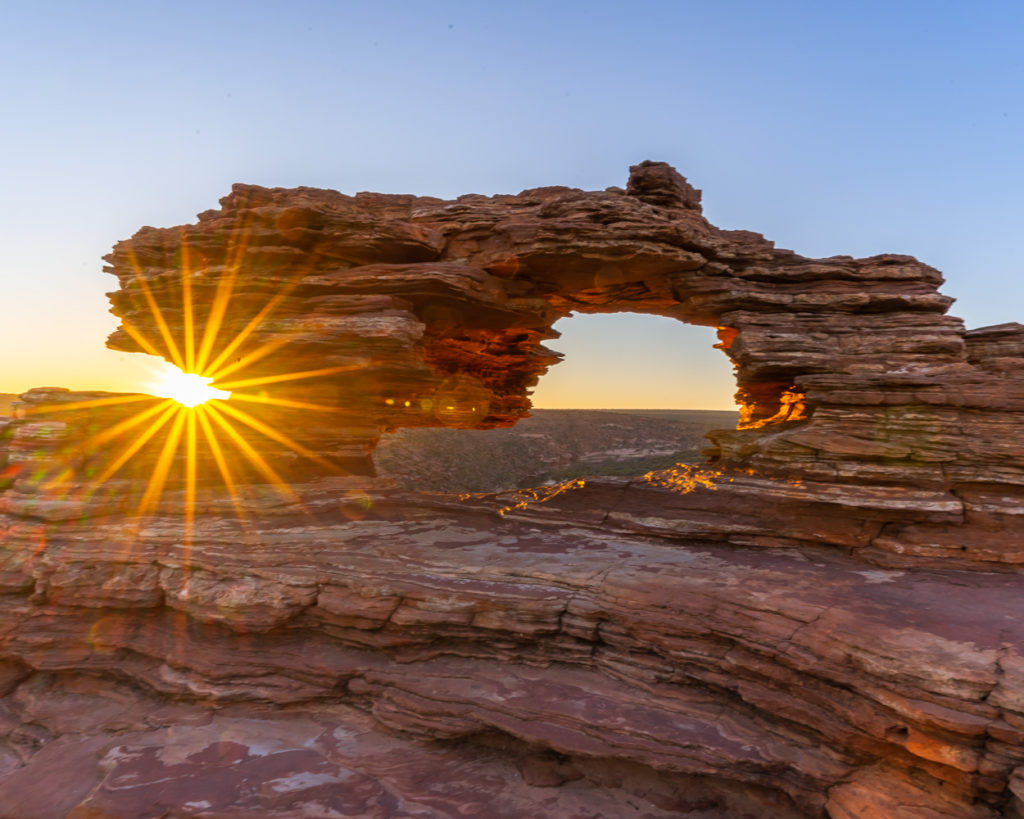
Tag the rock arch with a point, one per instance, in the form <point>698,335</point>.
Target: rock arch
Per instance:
<point>877,429</point>
<point>418,311</point>
<point>428,296</point>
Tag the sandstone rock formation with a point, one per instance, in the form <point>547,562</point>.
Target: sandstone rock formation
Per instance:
<point>224,615</point>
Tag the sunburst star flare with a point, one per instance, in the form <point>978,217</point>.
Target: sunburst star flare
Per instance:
<point>188,389</point>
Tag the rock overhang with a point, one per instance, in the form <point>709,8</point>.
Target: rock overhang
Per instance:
<point>674,623</point>
<point>336,318</point>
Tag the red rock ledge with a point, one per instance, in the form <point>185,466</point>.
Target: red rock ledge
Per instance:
<point>827,619</point>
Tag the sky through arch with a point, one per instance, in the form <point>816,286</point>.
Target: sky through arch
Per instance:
<point>635,361</point>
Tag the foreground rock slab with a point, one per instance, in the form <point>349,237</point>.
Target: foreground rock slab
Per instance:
<point>221,612</point>
<point>155,760</point>
<point>800,680</point>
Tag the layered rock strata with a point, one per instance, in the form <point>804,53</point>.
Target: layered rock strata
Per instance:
<point>681,676</point>
<point>218,613</point>
<point>413,311</point>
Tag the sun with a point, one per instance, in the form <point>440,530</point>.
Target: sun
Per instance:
<point>188,389</point>
<point>194,427</point>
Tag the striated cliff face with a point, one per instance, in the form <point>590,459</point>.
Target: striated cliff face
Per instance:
<point>402,311</point>
<point>220,612</point>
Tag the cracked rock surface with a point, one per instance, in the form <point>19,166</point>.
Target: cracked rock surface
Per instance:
<point>825,619</point>
<point>801,678</point>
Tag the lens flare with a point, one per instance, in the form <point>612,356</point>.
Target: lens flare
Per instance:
<point>188,389</point>
<point>188,438</point>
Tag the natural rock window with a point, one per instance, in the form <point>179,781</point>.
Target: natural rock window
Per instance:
<point>825,618</point>
<point>668,386</point>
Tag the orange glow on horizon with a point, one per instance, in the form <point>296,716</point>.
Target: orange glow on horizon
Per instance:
<point>186,426</point>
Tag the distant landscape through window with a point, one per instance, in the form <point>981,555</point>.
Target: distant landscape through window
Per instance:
<point>655,387</point>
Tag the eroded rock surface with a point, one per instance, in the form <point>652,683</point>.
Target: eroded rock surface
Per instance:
<point>220,613</point>
<point>414,311</point>
<point>806,674</point>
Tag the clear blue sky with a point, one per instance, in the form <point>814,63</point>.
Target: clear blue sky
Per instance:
<point>831,127</point>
